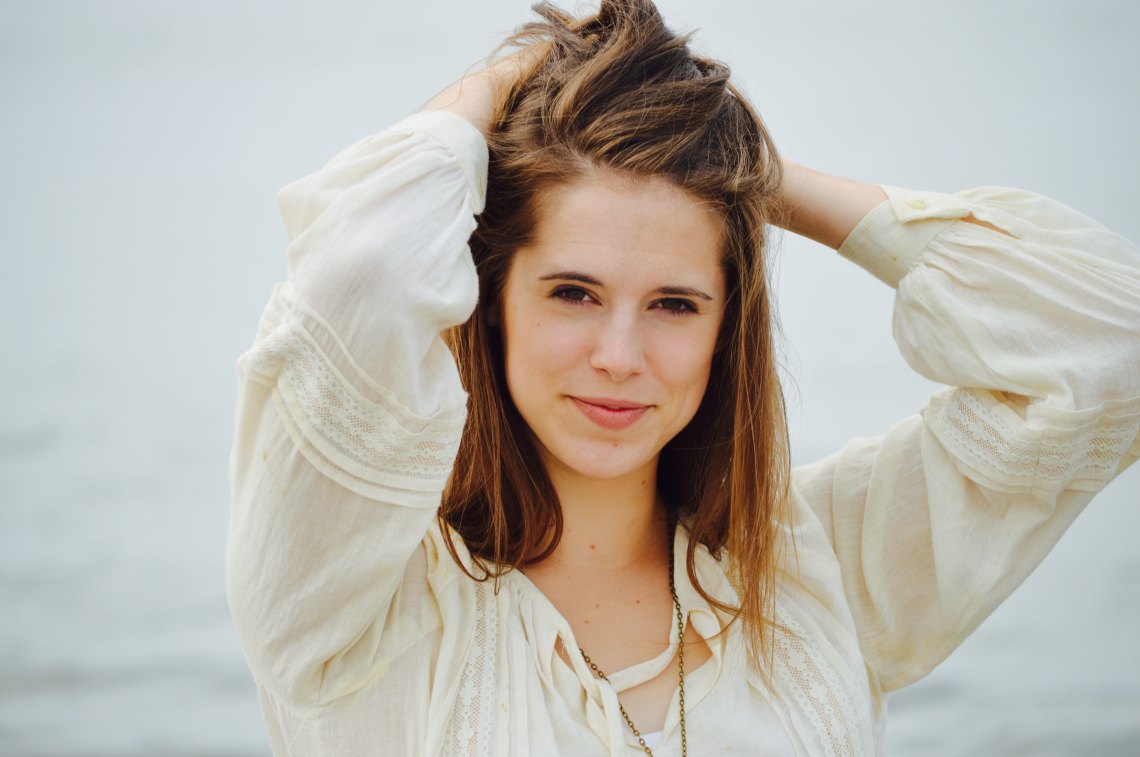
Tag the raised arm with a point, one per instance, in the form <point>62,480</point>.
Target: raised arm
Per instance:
<point>1030,312</point>
<point>350,412</point>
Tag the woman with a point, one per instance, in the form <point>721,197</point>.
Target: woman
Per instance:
<point>571,528</point>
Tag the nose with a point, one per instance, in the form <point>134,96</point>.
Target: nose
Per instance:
<point>618,349</point>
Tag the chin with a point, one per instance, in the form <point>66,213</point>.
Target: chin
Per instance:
<point>599,459</point>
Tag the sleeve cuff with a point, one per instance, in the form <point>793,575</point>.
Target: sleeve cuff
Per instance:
<point>459,136</point>
<point>891,237</point>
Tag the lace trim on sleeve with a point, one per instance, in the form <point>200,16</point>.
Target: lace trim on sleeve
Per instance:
<point>1001,451</point>
<point>817,689</point>
<point>469,729</point>
<point>374,446</point>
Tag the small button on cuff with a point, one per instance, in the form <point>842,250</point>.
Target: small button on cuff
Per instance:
<point>916,203</point>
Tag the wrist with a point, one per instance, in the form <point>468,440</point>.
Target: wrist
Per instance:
<point>823,207</point>
<point>478,96</point>
<point>471,97</point>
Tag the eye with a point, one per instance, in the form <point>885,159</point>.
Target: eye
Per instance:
<point>676,306</point>
<point>573,295</point>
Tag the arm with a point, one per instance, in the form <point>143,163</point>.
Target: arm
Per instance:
<point>475,97</point>
<point>1035,324</point>
<point>350,411</point>
<point>825,208</point>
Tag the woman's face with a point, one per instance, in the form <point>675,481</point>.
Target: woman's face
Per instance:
<point>609,322</point>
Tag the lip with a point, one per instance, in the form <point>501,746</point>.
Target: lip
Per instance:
<point>610,414</point>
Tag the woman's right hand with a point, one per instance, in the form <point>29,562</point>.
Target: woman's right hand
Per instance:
<point>476,96</point>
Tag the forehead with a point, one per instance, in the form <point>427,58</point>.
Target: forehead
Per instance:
<point>633,229</point>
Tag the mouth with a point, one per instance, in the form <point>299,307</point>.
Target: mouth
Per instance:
<point>611,414</point>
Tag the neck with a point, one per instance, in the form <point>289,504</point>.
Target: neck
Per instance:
<point>608,524</point>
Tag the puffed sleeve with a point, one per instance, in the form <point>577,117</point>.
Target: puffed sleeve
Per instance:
<point>1035,324</point>
<point>350,410</point>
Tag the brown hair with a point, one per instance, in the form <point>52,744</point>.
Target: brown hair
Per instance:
<point>619,91</point>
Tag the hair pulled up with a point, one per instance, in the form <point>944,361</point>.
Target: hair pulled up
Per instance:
<point>619,91</point>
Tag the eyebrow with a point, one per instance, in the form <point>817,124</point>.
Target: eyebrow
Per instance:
<point>587,279</point>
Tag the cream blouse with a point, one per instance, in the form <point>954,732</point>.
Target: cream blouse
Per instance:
<point>365,638</point>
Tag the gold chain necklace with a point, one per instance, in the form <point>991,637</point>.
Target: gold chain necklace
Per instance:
<point>680,664</point>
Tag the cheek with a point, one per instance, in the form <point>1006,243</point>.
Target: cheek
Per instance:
<point>685,361</point>
<point>685,367</point>
<point>538,351</point>
<point>692,386</point>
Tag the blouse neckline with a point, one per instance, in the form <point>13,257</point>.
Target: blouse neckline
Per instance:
<point>706,622</point>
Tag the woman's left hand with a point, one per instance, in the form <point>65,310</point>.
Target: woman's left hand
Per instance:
<point>823,207</point>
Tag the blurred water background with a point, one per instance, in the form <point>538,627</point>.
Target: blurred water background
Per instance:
<point>141,144</point>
